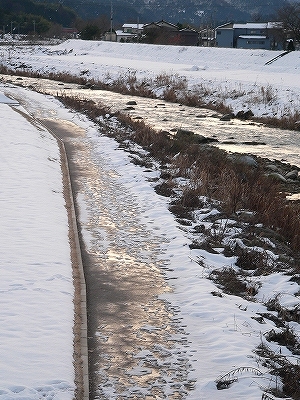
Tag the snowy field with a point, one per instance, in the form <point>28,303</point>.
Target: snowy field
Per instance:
<point>36,314</point>
<point>36,288</point>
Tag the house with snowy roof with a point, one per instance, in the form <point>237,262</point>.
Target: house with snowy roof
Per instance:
<point>266,35</point>
<point>129,32</point>
<point>163,32</point>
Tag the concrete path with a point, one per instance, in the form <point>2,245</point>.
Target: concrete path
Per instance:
<point>122,287</point>
<point>136,346</point>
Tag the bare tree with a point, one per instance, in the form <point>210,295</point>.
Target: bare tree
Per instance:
<point>289,16</point>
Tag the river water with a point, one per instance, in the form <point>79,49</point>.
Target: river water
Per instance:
<point>235,135</point>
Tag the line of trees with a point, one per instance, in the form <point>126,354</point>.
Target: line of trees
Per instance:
<point>32,17</point>
<point>28,17</point>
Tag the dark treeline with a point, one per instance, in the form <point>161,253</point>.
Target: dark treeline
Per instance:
<point>27,16</point>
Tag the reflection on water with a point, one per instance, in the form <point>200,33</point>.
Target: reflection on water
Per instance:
<point>234,135</point>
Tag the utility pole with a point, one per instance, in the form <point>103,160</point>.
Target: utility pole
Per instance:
<point>111,19</point>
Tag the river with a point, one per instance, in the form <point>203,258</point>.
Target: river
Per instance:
<point>234,136</point>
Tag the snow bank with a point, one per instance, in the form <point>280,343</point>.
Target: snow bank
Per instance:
<point>36,288</point>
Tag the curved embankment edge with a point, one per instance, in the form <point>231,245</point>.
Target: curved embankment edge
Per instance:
<point>80,308</point>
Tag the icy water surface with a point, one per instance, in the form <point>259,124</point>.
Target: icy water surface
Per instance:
<point>234,135</point>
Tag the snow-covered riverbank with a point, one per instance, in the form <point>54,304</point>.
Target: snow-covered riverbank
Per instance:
<point>221,330</point>
<point>239,78</point>
<point>36,289</point>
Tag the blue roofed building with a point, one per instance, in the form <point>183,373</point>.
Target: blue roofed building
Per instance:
<point>251,35</point>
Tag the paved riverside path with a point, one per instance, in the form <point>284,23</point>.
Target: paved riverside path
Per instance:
<point>126,320</point>
<point>137,349</point>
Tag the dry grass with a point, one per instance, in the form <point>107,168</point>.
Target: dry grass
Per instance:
<point>290,121</point>
<point>225,381</point>
<point>211,173</point>
<point>281,367</point>
<point>172,88</point>
<point>229,280</point>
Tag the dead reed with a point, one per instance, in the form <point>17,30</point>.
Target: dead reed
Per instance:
<point>210,173</point>
<point>172,88</point>
<point>280,367</point>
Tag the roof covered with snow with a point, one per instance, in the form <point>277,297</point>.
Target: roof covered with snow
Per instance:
<point>136,26</point>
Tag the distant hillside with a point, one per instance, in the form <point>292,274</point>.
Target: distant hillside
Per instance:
<point>195,12</point>
<point>22,14</point>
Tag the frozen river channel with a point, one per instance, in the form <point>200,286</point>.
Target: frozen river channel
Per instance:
<point>234,135</point>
